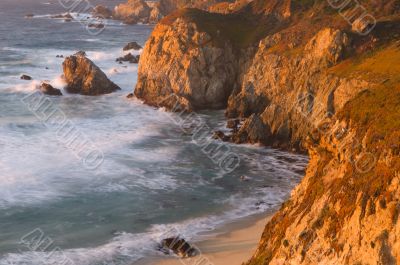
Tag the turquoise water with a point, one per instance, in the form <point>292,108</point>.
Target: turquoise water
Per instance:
<point>154,180</point>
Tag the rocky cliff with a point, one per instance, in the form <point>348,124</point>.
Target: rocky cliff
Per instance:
<point>182,60</point>
<point>300,76</point>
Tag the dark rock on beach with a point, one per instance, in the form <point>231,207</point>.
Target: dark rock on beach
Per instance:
<point>132,46</point>
<point>26,77</point>
<point>178,246</point>
<point>48,89</point>
<point>129,58</point>
<point>85,78</point>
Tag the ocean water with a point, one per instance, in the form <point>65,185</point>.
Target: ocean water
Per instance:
<point>153,179</point>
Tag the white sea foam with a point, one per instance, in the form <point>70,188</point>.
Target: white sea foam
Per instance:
<point>127,248</point>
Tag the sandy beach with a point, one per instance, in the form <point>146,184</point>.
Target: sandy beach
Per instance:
<point>233,245</point>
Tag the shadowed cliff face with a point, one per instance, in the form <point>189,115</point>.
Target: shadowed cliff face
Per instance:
<point>301,77</point>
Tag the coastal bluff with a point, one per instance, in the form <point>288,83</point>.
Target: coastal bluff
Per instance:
<point>141,11</point>
<point>299,77</point>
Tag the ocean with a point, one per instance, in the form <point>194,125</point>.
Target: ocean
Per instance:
<point>154,180</point>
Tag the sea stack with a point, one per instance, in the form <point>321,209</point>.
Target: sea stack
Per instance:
<point>85,78</point>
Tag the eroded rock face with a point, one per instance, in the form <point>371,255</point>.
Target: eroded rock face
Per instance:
<point>336,215</point>
<point>291,95</point>
<point>85,78</point>
<point>180,61</point>
<point>327,47</point>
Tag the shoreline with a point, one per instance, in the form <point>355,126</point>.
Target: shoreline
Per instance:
<point>232,244</point>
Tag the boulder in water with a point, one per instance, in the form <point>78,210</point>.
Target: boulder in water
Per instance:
<point>85,78</point>
<point>63,16</point>
<point>26,77</point>
<point>96,25</point>
<point>129,58</point>
<point>48,89</point>
<point>179,247</point>
<point>220,135</point>
<point>132,46</point>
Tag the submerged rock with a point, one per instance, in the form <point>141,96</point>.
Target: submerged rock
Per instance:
<point>129,58</point>
<point>48,89</point>
<point>132,46</point>
<point>96,25</point>
<point>26,77</point>
<point>178,246</point>
<point>85,78</point>
<point>63,16</point>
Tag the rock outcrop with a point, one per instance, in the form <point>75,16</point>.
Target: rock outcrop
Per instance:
<point>180,60</point>
<point>85,78</point>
